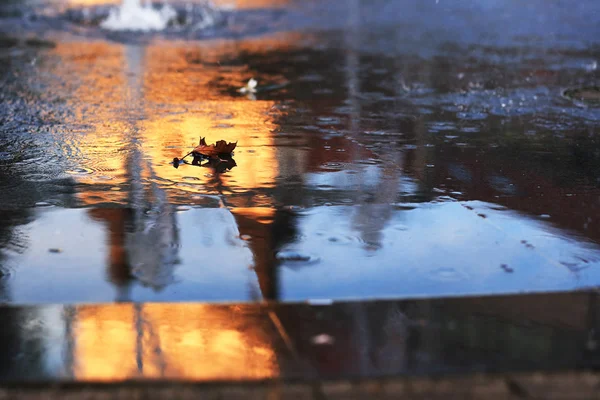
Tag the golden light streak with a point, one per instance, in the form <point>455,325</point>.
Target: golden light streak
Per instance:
<point>191,341</point>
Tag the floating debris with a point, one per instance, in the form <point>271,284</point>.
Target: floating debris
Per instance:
<point>220,151</point>
<point>213,150</point>
<point>527,244</point>
<point>323,339</point>
<point>507,269</point>
<point>250,86</point>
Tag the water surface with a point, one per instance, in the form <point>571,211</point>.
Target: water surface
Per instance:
<point>391,150</point>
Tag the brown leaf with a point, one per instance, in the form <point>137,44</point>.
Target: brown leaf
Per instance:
<point>212,150</point>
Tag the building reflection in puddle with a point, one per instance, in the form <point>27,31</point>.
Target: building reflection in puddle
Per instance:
<point>178,341</point>
<point>125,160</point>
<point>115,342</point>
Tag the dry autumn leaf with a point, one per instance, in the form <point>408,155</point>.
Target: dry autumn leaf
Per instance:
<point>219,150</point>
<point>213,150</point>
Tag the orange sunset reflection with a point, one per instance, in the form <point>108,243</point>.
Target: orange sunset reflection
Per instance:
<point>141,106</point>
<point>98,83</point>
<point>192,341</point>
<point>163,99</point>
<point>255,153</point>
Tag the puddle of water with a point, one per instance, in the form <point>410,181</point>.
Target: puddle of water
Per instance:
<point>363,169</point>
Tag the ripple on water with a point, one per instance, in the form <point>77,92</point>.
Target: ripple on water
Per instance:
<point>472,115</point>
<point>442,126</point>
<point>586,95</point>
<point>294,208</point>
<point>296,259</point>
<point>332,166</point>
<point>191,187</point>
<point>470,129</point>
<point>340,239</point>
<point>81,171</point>
<point>42,204</point>
<point>447,274</point>
<point>328,120</point>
